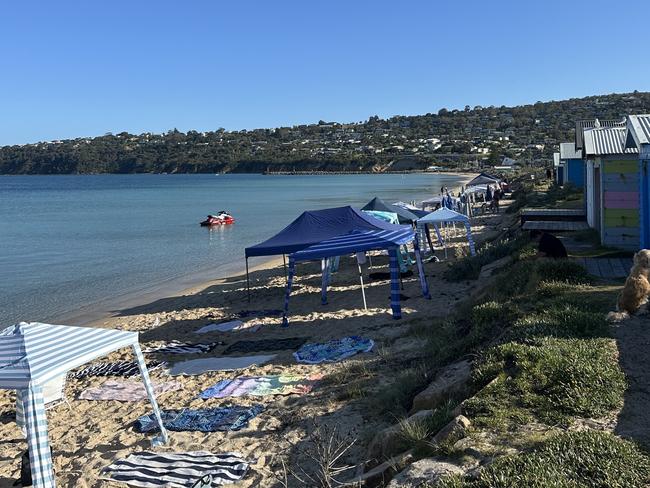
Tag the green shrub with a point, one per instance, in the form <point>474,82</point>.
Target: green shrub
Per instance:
<point>394,400</point>
<point>567,460</point>
<point>469,268</point>
<point>562,270</point>
<point>552,379</point>
<point>560,320</point>
<point>417,435</point>
<point>488,319</point>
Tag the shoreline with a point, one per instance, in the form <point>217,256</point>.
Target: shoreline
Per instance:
<point>101,311</point>
<point>96,314</point>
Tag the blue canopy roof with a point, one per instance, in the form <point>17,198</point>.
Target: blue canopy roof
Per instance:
<point>404,215</point>
<point>315,226</point>
<point>356,241</point>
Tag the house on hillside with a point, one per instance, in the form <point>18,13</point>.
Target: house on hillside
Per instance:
<point>637,137</point>
<point>573,164</point>
<point>612,186</point>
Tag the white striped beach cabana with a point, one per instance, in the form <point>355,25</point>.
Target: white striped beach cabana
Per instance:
<point>33,354</point>
<point>360,242</point>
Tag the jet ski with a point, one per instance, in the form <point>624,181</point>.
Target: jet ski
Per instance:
<point>222,218</point>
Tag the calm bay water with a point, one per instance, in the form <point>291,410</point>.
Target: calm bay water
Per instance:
<point>79,246</point>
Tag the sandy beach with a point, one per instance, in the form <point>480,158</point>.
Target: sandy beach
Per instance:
<point>86,435</point>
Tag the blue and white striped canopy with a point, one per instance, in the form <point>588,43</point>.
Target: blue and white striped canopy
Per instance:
<point>36,353</point>
<point>33,354</point>
<point>356,241</point>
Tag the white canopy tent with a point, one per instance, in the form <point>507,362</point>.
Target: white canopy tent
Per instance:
<point>443,216</point>
<point>34,354</point>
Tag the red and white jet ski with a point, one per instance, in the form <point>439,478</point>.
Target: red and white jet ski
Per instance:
<point>222,218</point>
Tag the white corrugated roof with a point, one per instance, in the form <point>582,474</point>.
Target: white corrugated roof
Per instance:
<point>638,130</point>
<point>606,140</point>
<point>568,151</point>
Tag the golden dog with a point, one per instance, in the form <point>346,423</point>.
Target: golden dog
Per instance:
<point>634,296</point>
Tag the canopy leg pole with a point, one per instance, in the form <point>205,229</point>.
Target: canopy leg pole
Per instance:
<point>325,265</point>
<point>38,443</point>
<point>423,278</point>
<point>446,238</point>
<point>292,267</point>
<point>284,263</point>
<point>163,438</point>
<point>248,282</point>
<point>363,292</point>
<point>427,232</point>
<point>394,285</point>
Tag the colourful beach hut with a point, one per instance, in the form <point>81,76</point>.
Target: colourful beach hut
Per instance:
<point>361,242</point>
<point>612,180</point>
<point>572,163</point>
<point>34,354</point>
<point>638,138</point>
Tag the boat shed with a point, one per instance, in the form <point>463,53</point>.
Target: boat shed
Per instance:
<point>637,137</point>
<point>612,186</point>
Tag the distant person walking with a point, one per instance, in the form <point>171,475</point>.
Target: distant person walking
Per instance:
<point>548,245</point>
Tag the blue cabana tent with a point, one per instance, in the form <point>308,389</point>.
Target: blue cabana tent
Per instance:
<point>315,226</point>
<point>443,215</point>
<point>33,354</point>
<point>404,215</point>
<point>360,242</point>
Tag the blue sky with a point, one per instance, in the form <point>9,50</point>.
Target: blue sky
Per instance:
<point>83,68</point>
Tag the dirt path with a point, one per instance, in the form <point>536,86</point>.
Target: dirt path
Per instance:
<point>633,339</point>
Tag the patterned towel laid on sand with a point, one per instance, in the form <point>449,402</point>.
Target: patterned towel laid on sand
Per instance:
<point>176,470</point>
<point>266,345</point>
<point>258,313</point>
<point>334,350</point>
<point>231,326</point>
<point>234,417</point>
<point>177,347</point>
<point>126,391</point>
<point>118,368</point>
<point>262,386</point>
<point>199,366</point>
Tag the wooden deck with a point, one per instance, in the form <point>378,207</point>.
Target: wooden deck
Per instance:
<point>606,267</point>
<point>553,212</point>
<point>555,225</point>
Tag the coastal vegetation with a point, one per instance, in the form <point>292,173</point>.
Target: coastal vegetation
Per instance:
<point>455,138</point>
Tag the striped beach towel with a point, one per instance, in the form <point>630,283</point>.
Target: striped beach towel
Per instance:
<point>179,470</point>
<point>177,347</point>
<point>125,369</point>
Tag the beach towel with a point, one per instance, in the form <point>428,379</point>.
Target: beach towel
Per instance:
<point>199,366</point>
<point>262,386</point>
<point>234,417</point>
<point>258,313</point>
<point>125,369</point>
<point>177,347</point>
<point>334,350</point>
<point>385,275</point>
<point>266,345</point>
<point>127,391</point>
<point>233,325</point>
<point>176,470</point>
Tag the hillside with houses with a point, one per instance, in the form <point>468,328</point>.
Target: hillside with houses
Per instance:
<point>452,138</point>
